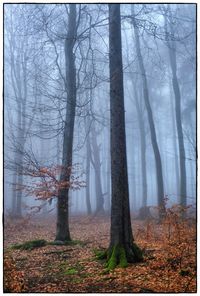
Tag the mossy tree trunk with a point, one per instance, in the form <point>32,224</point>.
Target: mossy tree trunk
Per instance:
<point>121,249</point>
<point>62,230</point>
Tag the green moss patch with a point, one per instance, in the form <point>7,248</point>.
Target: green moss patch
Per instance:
<point>30,245</point>
<point>117,257</point>
<point>71,271</point>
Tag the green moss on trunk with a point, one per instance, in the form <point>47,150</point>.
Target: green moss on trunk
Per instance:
<point>117,257</point>
<point>120,256</point>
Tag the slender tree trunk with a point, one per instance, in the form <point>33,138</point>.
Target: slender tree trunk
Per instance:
<point>177,95</point>
<point>121,248</point>
<point>88,151</point>
<point>19,159</point>
<point>62,231</point>
<point>159,174</point>
<point>143,150</point>
<point>176,162</point>
<point>97,167</point>
<point>14,198</point>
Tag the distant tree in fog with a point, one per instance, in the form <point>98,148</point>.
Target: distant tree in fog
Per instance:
<point>154,141</point>
<point>171,44</point>
<point>20,86</point>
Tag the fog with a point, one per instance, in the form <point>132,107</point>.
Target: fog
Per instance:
<point>159,39</point>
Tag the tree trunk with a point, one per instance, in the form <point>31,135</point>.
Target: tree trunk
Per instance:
<point>88,151</point>
<point>97,167</point>
<point>62,231</point>
<point>108,177</point>
<point>159,174</point>
<point>172,56</point>
<point>176,163</point>
<point>121,249</point>
<point>14,198</point>
<point>143,150</point>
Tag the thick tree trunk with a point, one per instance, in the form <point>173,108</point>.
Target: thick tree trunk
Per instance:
<point>159,174</point>
<point>108,177</point>
<point>172,56</point>
<point>121,249</point>
<point>62,231</point>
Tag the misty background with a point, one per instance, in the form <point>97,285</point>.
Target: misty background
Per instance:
<point>35,102</point>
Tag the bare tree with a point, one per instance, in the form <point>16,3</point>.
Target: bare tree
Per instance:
<point>159,174</point>
<point>121,249</point>
<point>171,43</point>
<point>62,230</point>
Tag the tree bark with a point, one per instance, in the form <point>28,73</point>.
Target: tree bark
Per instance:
<point>108,176</point>
<point>62,231</point>
<point>121,249</point>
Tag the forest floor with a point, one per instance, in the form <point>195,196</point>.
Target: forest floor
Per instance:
<point>169,257</point>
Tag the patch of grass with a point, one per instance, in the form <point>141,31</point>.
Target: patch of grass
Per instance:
<point>30,245</point>
<point>71,271</point>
